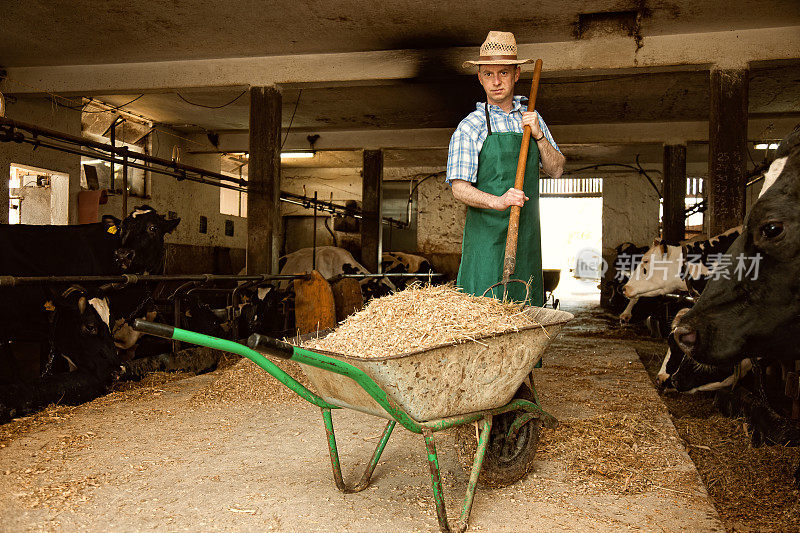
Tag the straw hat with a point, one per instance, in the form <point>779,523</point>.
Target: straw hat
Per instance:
<point>499,48</point>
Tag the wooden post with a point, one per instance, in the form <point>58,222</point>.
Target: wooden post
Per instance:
<point>264,171</point>
<point>371,228</point>
<point>5,176</point>
<point>727,146</point>
<point>673,223</point>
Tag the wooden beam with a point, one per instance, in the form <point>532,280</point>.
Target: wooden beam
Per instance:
<point>727,148</point>
<point>371,228</point>
<point>673,223</point>
<point>263,180</point>
<point>657,53</point>
<point>564,134</point>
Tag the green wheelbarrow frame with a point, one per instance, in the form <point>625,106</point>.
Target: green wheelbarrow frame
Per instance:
<point>259,344</point>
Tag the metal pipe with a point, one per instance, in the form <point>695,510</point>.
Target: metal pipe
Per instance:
<point>129,279</point>
<point>314,237</point>
<point>57,135</point>
<point>171,168</point>
<point>113,131</point>
<point>125,183</point>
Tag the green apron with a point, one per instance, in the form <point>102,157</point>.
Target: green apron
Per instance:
<point>485,230</point>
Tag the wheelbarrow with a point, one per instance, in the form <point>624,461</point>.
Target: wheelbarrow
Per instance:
<point>425,391</point>
<point>551,277</point>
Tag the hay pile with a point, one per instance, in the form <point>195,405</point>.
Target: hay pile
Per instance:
<point>615,452</point>
<point>419,318</point>
<point>247,382</point>
<point>751,487</point>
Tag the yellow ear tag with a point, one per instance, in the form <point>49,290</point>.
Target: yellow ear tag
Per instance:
<point>112,230</point>
<point>48,306</point>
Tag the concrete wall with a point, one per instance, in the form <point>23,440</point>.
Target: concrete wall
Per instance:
<point>630,214</point>
<point>41,112</point>
<point>440,225</point>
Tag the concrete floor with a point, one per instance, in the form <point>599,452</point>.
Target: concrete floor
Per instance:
<point>163,462</point>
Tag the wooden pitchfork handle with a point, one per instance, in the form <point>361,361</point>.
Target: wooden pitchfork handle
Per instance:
<point>510,262</point>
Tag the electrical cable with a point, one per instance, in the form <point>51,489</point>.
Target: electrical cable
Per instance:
<point>114,108</point>
<point>638,168</point>
<point>292,119</point>
<point>210,106</point>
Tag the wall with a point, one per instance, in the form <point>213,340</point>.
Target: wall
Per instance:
<point>41,112</point>
<point>630,214</point>
<point>440,225</point>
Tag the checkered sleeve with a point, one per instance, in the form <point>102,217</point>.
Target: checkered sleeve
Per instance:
<point>547,134</point>
<point>462,158</point>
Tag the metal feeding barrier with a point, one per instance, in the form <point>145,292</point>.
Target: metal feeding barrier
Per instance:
<point>189,284</point>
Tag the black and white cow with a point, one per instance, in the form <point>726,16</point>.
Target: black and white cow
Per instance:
<point>627,258</point>
<point>330,262</point>
<point>81,340</point>
<point>134,245</point>
<point>666,268</point>
<point>403,263</point>
<point>682,373</point>
<point>757,312</point>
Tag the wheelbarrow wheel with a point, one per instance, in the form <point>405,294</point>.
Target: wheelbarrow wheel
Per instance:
<point>506,460</point>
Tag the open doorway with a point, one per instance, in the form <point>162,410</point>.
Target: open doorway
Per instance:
<point>37,196</point>
<point>571,211</point>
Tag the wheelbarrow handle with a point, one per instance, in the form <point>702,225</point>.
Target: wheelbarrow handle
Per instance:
<point>271,346</point>
<point>154,328</point>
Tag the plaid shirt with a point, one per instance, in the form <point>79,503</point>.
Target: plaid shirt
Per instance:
<point>467,140</point>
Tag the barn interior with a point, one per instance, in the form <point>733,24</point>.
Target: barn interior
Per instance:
<point>665,111</point>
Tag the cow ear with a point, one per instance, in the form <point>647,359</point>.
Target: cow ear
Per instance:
<point>110,220</point>
<point>82,304</point>
<point>170,225</point>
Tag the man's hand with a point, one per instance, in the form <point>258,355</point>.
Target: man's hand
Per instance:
<point>511,197</point>
<point>531,118</point>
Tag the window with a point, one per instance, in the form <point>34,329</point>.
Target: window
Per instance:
<point>232,202</point>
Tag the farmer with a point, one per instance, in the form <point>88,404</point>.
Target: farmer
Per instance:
<point>481,167</point>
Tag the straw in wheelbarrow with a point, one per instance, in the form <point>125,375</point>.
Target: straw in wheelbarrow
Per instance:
<point>419,318</point>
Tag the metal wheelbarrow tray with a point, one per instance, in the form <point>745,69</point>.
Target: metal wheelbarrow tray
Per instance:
<point>425,391</point>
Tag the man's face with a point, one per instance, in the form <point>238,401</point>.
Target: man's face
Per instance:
<point>498,82</point>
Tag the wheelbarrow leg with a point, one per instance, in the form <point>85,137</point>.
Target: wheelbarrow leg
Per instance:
<point>483,443</point>
<point>436,478</point>
<point>334,452</point>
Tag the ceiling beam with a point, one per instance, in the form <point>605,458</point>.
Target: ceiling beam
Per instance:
<point>619,133</point>
<point>726,49</point>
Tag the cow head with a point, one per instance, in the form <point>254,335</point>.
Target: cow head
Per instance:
<point>757,310</point>
<point>80,332</point>
<point>142,241</point>
<point>658,273</point>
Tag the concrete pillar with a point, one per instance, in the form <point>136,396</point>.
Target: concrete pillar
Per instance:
<point>630,214</point>
<point>673,223</point>
<point>371,228</point>
<point>727,146</point>
<point>264,171</point>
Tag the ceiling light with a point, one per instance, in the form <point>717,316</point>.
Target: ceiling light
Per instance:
<point>297,155</point>
<point>766,146</point>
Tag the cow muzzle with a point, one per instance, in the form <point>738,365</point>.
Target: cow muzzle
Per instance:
<point>686,337</point>
<point>123,257</point>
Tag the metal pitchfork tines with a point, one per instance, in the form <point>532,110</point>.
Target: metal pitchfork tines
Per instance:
<point>504,282</point>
